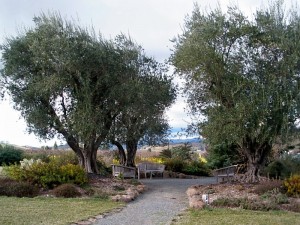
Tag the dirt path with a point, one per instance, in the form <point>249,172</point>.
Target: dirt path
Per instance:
<point>164,199</point>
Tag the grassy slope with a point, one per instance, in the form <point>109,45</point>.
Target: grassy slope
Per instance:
<point>238,216</point>
<point>54,211</point>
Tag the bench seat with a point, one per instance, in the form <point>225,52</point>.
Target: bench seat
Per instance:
<point>225,173</point>
<point>124,171</point>
<point>150,168</point>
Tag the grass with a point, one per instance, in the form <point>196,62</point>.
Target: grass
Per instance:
<point>237,216</point>
<point>54,211</point>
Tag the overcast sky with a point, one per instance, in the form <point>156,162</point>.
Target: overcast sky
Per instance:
<point>151,23</point>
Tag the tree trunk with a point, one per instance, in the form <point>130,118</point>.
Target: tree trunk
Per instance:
<point>131,146</point>
<point>122,155</point>
<point>256,154</point>
<point>87,158</point>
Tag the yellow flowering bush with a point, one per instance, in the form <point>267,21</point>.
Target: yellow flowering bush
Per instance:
<point>293,185</point>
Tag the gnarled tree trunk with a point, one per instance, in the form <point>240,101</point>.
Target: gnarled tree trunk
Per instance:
<point>131,146</point>
<point>122,155</point>
<point>256,154</point>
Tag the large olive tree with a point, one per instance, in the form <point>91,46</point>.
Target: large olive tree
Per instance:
<point>242,75</point>
<point>66,80</point>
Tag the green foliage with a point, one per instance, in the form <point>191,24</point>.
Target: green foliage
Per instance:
<point>242,75</point>
<point>293,185</point>
<point>63,157</point>
<point>283,167</point>
<point>66,191</point>
<point>54,72</point>
<point>48,174</point>
<point>10,155</point>
<point>245,203</point>
<point>182,151</point>
<point>166,154</point>
<point>174,164</point>
<point>9,187</point>
<point>35,155</point>
<point>196,168</point>
<point>222,155</point>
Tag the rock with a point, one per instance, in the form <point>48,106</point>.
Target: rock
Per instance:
<point>84,223</point>
<point>196,202</point>
<point>141,188</point>
<point>191,191</point>
<point>99,217</point>
<point>126,198</point>
<point>116,198</point>
<point>182,176</point>
<point>92,220</point>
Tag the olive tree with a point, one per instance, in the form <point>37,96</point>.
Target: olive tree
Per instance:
<point>148,94</point>
<point>66,80</point>
<point>242,75</point>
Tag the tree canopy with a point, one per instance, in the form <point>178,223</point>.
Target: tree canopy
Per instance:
<point>243,76</point>
<point>148,93</point>
<point>66,80</point>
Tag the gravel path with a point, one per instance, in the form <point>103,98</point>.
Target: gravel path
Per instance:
<point>164,199</point>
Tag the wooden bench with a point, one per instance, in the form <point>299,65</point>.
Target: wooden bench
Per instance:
<point>225,173</point>
<point>150,168</point>
<point>123,171</point>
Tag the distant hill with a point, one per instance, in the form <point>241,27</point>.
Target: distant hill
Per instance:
<point>188,140</point>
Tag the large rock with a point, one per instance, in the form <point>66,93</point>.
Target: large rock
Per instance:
<point>195,198</point>
<point>196,202</point>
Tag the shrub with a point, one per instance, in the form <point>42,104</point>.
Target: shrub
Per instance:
<point>196,168</point>
<point>9,187</point>
<point>64,157</point>
<point>293,185</point>
<point>174,164</point>
<point>103,169</point>
<point>245,203</point>
<point>48,174</point>
<point>275,169</point>
<point>66,191</point>
<point>222,155</point>
<point>283,167</point>
<point>268,186</point>
<point>10,155</point>
<point>166,154</point>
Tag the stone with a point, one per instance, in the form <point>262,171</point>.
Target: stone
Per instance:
<point>191,191</point>
<point>196,202</point>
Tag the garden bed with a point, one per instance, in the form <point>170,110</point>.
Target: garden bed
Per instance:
<point>264,196</point>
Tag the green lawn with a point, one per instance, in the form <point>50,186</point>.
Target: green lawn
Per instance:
<point>54,211</point>
<point>237,216</point>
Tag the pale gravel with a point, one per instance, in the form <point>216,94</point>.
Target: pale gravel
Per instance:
<point>163,201</point>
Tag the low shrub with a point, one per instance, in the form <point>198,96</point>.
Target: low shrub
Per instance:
<point>96,193</point>
<point>245,203</point>
<point>293,185</point>
<point>10,155</point>
<point>9,187</point>
<point>66,191</point>
<point>103,169</point>
<point>276,198</point>
<point>175,164</point>
<point>49,174</point>
<point>196,168</point>
<point>294,206</point>
<point>64,157</point>
<point>268,186</point>
<point>283,167</point>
